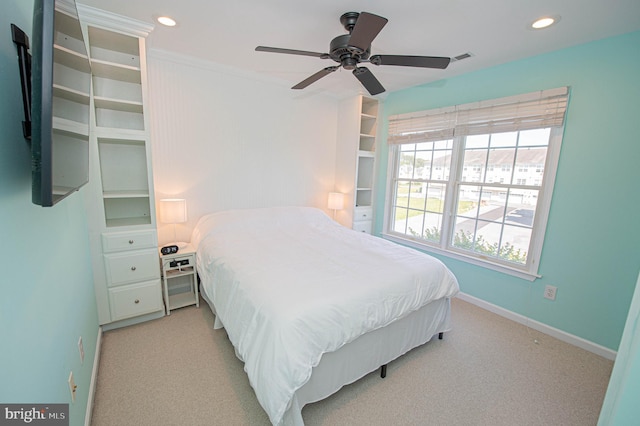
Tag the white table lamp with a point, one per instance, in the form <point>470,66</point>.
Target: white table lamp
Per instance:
<point>174,210</point>
<point>336,202</point>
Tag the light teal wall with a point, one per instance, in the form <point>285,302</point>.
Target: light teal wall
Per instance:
<point>620,407</point>
<point>46,286</point>
<point>592,245</point>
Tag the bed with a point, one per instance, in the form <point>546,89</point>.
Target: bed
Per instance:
<point>310,305</point>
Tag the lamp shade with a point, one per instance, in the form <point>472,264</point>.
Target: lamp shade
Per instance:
<point>173,210</point>
<point>336,201</point>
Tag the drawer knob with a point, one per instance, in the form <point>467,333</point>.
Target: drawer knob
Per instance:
<point>364,215</point>
<point>133,268</point>
<point>130,241</point>
<point>136,301</point>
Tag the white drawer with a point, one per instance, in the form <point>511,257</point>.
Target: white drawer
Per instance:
<point>135,299</point>
<point>130,267</point>
<point>363,226</point>
<point>363,214</point>
<point>133,240</point>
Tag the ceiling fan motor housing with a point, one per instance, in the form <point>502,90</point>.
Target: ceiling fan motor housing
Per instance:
<point>340,52</point>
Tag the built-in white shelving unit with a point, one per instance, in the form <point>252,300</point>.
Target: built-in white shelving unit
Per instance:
<point>355,162</point>
<point>121,203</point>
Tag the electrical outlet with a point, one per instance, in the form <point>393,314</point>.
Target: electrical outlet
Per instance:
<point>81,349</point>
<point>72,387</point>
<point>550,292</point>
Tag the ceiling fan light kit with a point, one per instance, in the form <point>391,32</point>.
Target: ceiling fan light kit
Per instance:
<point>352,49</point>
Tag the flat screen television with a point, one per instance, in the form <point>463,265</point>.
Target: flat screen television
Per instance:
<point>56,82</point>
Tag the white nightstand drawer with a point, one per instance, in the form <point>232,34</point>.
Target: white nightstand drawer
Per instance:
<point>360,213</point>
<point>123,268</point>
<point>363,226</point>
<point>135,299</point>
<point>133,240</point>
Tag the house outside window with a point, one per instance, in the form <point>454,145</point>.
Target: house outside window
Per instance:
<point>465,181</point>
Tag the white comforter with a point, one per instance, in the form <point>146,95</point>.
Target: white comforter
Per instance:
<point>290,284</point>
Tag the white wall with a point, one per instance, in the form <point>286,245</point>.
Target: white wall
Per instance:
<point>224,139</point>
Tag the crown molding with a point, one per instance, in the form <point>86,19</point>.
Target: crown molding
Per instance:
<point>67,6</point>
<point>112,21</point>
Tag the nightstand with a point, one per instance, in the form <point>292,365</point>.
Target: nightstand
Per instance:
<point>179,279</point>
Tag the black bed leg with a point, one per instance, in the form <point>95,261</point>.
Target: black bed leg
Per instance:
<point>383,371</point>
<point>440,336</point>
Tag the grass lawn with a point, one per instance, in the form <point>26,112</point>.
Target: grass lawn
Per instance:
<point>434,205</point>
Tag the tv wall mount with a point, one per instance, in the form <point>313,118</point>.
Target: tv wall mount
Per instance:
<point>24,61</point>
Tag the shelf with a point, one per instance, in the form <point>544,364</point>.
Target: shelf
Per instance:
<point>125,136</point>
<point>363,198</point>
<point>70,94</point>
<point>124,139</point>
<point>105,44</point>
<point>127,221</point>
<point>369,106</point>
<point>123,166</point>
<point>118,104</point>
<point>115,71</point>
<point>70,127</point>
<point>173,273</point>
<point>181,300</point>
<point>125,194</point>
<point>70,58</point>
<point>368,116</point>
<point>368,154</point>
<point>118,119</point>
<point>127,211</point>
<point>115,56</point>
<point>67,24</point>
<point>368,128</point>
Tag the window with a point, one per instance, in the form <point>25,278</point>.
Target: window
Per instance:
<point>475,181</point>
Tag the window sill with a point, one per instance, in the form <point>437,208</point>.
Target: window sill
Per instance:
<point>468,259</point>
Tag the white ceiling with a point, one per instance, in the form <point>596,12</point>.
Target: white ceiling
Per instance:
<point>493,31</point>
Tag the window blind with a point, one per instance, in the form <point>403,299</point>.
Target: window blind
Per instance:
<point>535,110</point>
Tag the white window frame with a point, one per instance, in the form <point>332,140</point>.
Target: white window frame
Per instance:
<point>528,271</point>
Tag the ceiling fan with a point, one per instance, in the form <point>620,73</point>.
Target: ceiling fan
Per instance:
<point>350,50</point>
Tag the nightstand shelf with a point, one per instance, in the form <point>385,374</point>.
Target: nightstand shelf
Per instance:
<point>179,279</point>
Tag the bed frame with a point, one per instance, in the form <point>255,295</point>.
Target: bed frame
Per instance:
<point>383,368</point>
<point>367,353</point>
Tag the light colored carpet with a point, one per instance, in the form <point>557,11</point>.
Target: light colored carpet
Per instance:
<point>488,370</point>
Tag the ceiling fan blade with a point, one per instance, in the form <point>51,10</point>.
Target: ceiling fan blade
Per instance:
<point>366,29</point>
<point>411,61</point>
<point>315,77</point>
<point>368,80</point>
<point>292,52</point>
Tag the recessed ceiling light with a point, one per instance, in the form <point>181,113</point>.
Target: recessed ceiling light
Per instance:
<point>165,20</point>
<point>544,22</point>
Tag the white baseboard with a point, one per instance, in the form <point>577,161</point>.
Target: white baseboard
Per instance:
<point>543,328</point>
<point>94,379</point>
